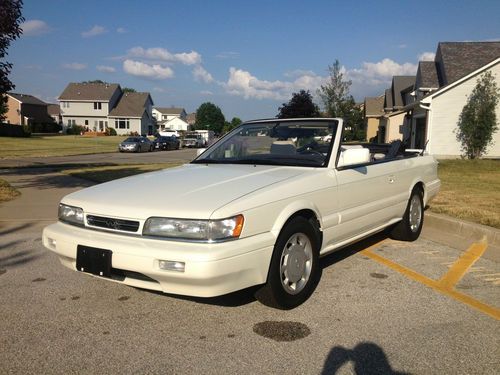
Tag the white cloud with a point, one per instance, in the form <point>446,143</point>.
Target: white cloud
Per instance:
<point>159,89</point>
<point>94,31</point>
<point>34,27</point>
<point>105,69</point>
<point>140,69</point>
<point>426,56</point>
<point>162,54</point>
<point>242,83</point>
<point>206,92</point>
<point>121,30</point>
<point>200,74</point>
<point>380,72</point>
<point>74,66</point>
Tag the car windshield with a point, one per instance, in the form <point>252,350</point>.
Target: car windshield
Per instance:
<point>131,140</point>
<point>281,142</point>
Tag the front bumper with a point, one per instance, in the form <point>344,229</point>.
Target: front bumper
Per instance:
<point>210,269</point>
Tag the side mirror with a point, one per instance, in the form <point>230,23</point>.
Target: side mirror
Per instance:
<point>353,156</point>
<point>200,151</point>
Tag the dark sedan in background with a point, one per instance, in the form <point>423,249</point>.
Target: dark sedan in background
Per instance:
<point>166,143</point>
<point>136,144</point>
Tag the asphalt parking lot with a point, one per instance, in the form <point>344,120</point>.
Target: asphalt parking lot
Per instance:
<point>382,307</point>
<point>369,314</point>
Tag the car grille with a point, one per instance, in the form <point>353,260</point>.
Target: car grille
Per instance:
<point>113,224</point>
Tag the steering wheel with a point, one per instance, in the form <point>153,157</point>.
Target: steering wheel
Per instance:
<point>310,149</point>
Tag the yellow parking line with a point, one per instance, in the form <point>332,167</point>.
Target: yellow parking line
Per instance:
<point>462,265</point>
<point>436,285</point>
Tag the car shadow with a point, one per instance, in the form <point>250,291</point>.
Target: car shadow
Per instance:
<point>367,358</point>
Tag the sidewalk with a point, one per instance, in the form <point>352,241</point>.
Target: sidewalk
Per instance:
<point>41,190</point>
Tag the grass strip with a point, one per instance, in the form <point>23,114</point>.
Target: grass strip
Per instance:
<point>7,192</point>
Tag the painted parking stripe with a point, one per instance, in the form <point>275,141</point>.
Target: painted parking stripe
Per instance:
<point>463,264</point>
<point>436,285</point>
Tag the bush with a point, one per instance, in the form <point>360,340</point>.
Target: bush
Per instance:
<point>110,131</point>
<point>9,130</point>
<point>45,127</point>
<point>75,130</point>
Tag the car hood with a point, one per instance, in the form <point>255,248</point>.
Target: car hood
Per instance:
<point>189,191</point>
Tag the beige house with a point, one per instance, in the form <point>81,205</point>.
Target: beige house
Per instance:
<point>99,106</point>
<point>89,104</point>
<point>374,111</point>
<point>23,109</point>
<point>441,91</point>
<point>133,114</point>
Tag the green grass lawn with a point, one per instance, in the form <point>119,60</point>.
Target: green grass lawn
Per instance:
<point>108,173</point>
<point>12,147</point>
<point>7,192</point>
<point>470,190</point>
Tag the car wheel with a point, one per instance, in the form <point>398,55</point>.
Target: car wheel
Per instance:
<point>294,271</point>
<point>177,147</point>
<point>410,227</point>
<point>150,148</point>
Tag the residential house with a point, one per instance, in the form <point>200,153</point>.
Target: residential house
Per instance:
<point>441,91</point>
<point>170,118</point>
<point>89,104</point>
<point>54,111</point>
<point>98,106</point>
<point>374,111</point>
<point>191,119</point>
<point>392,123</point>
<point>24,109</point>
<point>133,114</point>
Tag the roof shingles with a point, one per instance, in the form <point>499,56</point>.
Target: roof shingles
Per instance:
<point>89,91</point>
<point>131,104</point>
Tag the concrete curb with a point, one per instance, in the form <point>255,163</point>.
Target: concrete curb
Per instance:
<point>461,228</point>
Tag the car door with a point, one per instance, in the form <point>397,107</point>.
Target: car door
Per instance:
<point>368,197</point>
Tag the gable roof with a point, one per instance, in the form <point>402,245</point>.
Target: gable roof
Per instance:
<point>170,111</point>
<point>457,59</point>
<point>131,104</point>
<point>53,109</point>
<point>374,106</point>
<point>89,91</point>
<point>26,99</point>
<point>427,75</point>
<point>388,102</point>
<point>400,83</point>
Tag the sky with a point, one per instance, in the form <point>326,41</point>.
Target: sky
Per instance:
<point>247,57</point>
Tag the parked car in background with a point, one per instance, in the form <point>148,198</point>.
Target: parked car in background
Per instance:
<point>193,140</point>
<point>136,144</point>
<point>169,133</point>
<point>166,143</point>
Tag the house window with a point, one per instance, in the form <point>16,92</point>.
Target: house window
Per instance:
<point>97,105</point>
<point>86,122</point>
<point>122,124</point>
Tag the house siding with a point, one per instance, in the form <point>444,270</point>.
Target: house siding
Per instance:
<point>13,112</point>
<point>444,116</point>
<point>372,124</point>
<point>394,127</point>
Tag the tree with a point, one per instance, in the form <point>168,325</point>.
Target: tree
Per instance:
<point>228,126</point>
<point>478,122</point>
<point>339,103</point>
<point>10,30</point>
<point>300,105</point>
<point>96,81</point>
<point>335,92</point>
<point>209,116</point>
<point>128,89</point>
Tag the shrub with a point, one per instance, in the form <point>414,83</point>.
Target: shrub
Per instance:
<point>110,131</point>
<point>75,129</point>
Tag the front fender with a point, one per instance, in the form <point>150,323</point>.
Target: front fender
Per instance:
<point>292,208</point>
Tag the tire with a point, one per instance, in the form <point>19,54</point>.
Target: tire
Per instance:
<point>150,148</point>
<point>294,271</point>
<point>410,227</point>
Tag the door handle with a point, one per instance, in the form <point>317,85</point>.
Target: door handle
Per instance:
<point>391,179</point>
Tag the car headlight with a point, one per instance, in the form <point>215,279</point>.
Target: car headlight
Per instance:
<point>201,230</point>
<point>70,214</point>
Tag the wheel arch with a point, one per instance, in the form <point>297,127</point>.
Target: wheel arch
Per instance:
<point>303,209</point>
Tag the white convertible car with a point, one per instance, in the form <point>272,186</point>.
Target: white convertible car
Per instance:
<point>259,207</point>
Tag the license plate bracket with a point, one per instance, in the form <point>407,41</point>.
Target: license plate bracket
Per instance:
<point>93,260</point>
